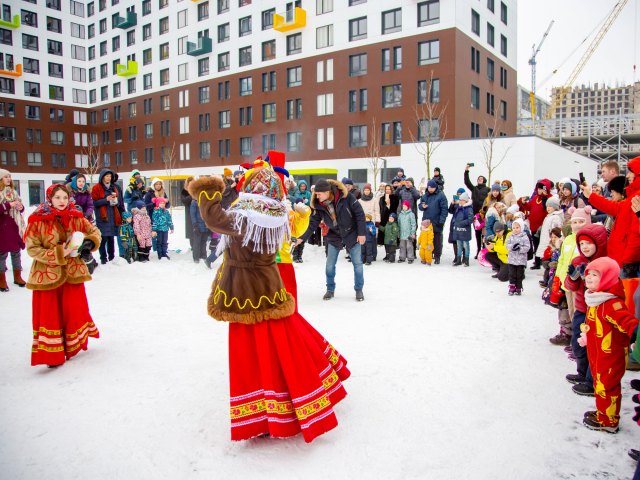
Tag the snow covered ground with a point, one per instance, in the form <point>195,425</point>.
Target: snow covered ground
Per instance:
<point>451,379</point>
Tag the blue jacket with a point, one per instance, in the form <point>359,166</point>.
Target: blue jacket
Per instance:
<point>196,219</point>
<point>306,195</point>
<point>462,222</point>
<point>436,209</point>
<point>372,231</point>
<point>161,220</point>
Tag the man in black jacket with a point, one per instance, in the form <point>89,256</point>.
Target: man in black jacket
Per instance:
<point>479,193</point>
<point>342,213</point>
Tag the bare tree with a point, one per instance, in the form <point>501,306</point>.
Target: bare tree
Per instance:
<point>169,160</point>
<point>431,122</point>
<point>492,159</point>
<point>91,158</point>
<point>373,153</point>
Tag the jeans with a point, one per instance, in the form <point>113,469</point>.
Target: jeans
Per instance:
<point>582,362</point>
<point>355,253</point>
<point>463,248</point>
<point>15,261</point>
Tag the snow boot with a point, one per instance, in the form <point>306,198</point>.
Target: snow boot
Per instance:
<point>561,339</point>
<point>409,262</point>
<point>593,424</point>
<point>512,289</point>
<point>635,454</point>
<point>3,283</point>
<point>17,279</point>
<point>436,260</point>
<point>328,295</point>
<point>359,295</point>
<point>583,389</point>
<point>457,261</point>
<point>635,384</point>
<point>466,261</point>
<point>518,291</point>
<point>537,264</point>
<point>574,378</point>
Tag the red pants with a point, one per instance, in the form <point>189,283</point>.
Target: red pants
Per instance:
<point>62,324</point>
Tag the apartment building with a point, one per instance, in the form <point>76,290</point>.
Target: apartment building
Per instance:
<point>598,100</point>
<point>199,84</point>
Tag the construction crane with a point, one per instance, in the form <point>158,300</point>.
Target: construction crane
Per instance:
<point>532,62</point>
<point>562,91</point>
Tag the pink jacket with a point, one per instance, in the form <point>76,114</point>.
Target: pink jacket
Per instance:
<point>142,228</point>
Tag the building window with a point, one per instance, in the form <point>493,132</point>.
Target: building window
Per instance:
<point>392,21</point>
<point>245,146</point>
<point>268,50</point>
<point>203,67</point>
<point>491,104</point>
<point>428,13</point>
<point>294,141</point>
<point>204,122</point>
<point>244,55</point>
<point>148,155</point>
<point>475,59</point>
<point>224,90</point>
<point>55,25</point>
<point>133,133</point>
<point>246,116</point>
<point>30,42</point>
<point>357,29</point>
<point>204,95</point>
<point>54,4</point>
<point>324,36</point>
<point>56,93</point>
<point>294,109</point>
<point>503,45</point>
<point>391,133</point>
<point>31,89</point>
<point>224,147</point>
<point>34,159</point>
<point>491,6</point>
<point>184,125</point>
<point>503,13</point>
<point>147,81</point>
<point>268,143</point>
<point>244,26</point>
<point>294,76</point>
<point>148,130</point>
<point>224,119</point>
<point>357,65</point>
<point>7,85</point>
<point>30,65</point>
<point>294,44</point>
<point>325,104</point>
<point>164,51</point>
<point>163,25</point>
<point>428,52</point>
<point>165,128</point>
<point>475,22</point>
<point>57,138</point>
<point>268,112</point>
<point>31,112</point>
<point>267,18</point>
<point>475,130</point>
<point>433,95</point>
<point>324,6</point>
<point>183,72</point>
<point>223,62</point>
<point>223,32</point>
<point>358,136</point>
<point>182,19</point>
<point>490,69</point>
<point>356,96</point>
<point>503,110</point>
<point>503,77</point>
<point>268,81</point>
<point>146,7</point>
<point>165,103</point>
<point>146,31</point>
<point>246,87</point>
<point>490,34</point>
<point>392,96</point>
<point>205,150</point>
<point>223,6</point>
<point>428,129</point>
<point>203,11</point>
<point>53,47</point>
<point>475,97</point>
<point>78,52</point>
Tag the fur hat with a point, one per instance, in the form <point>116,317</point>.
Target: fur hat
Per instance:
<point>498,227</point>
<point>518,221</point>
<point>583,213</point>
<point>227,172</point>
<point>554,203</point>
<point>347,181</point>
<point>406,204</point>
<point>366,185</point>
<point>432,184</point>
<point>617,184</point>
<point>322,186</point>
<point>159,200</point>
<point>464,196</point>
<point>425,223</point>
<point>609,272</point>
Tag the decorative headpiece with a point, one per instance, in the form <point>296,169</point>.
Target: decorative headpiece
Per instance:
<point>261,179</point>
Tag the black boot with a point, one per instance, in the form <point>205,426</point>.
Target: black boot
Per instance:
<point>456,261</point>
<point>537,264</point>
<point>466,261</point>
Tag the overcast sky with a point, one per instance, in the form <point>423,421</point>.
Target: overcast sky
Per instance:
<point>612,63</point>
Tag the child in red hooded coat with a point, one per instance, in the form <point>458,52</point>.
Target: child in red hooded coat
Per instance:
<point>607,334</point>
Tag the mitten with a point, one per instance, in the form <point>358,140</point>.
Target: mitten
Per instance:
<point>515,247</point>
<point>86,247</point>
<point>429,248</point>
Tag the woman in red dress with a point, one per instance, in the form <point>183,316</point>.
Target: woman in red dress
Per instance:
<point>283,378</point>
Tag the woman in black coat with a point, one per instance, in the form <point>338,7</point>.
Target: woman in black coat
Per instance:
<point>388,204</point>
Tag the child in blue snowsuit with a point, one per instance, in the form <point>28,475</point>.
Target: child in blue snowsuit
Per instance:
<point>128,238</point>
<point>370,246</point>
<point>161,225</point>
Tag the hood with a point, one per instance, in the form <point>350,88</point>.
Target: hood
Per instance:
<point>609,273</point>
<point>337,188</point>
<point>156,180</point>
<point>547,184</point>
<point>597,234</point>
<point>303,182</point>
<point>104,171</point>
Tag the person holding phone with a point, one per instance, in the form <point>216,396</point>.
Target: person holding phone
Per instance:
<point>479,192</point>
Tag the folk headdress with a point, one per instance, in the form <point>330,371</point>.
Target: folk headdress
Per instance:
<point>259,211</point>
<point>46,211</point>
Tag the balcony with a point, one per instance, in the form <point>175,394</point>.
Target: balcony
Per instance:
<point>203,47</point>
<point>129,22</point>
<point>12,73</point>
<point>14,24</point>
<point>284,22</point>
<point>128,70</point>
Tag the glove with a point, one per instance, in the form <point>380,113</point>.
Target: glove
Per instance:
<point>429,248</point>
<point>576,272</point>
<point>515,247</point>
<point>582,339</point>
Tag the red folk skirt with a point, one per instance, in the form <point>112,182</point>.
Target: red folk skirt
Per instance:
<point>62,324</point>
<point>285,379</point>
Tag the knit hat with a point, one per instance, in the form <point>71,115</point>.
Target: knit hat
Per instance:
<point>410,179</point>
<point>554,203</point>
<point>437,169</point>
<point>617,184</point>
<point>4,173</point>
<point>460,191</point>
<point>498,227</point>
<point>139,181</point>
<point>426,222</point>
<point>570,185</point>
<point>584,213</point>
<point>135,172</point>
<point>158,200</point>
<point>139,204</point>
<point>464,196</point>
<point>366,185</point>
<point>156,180</point>
<point>634,165</point>
<point>406,204</point>
<point>432,184</point>
<point>126,215</point>
<point>496,187</point>
<point>227,172</point>
<point>518,221</point>
<point>322,186</point>
<point>347,181</point>
<point>609,272</point>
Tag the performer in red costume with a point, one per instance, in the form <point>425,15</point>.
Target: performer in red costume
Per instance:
<point>283,380</point>
<point>608,328</point>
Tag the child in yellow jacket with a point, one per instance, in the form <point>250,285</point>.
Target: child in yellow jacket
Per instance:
<point>425,240</point>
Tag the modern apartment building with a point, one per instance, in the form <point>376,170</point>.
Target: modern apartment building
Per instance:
<point>141,84</point>
<point>598,101</point>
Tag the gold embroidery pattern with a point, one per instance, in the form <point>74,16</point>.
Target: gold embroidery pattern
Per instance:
<point>279,296</point>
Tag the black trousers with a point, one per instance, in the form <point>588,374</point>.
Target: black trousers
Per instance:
<point>437,244</point>
<point>297,251</point>
<point>199,244</point>
<point>391,252</point>
<point>516,275</point>
<point>106,248</point>
<point>479,240</point>
<point>501,267</point>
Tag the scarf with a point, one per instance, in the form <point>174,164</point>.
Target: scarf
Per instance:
<point>98,193</point>
<point>331,210</point>
<point>8,194</point>
<point>366,198</point>
<point>45,212</point>
<point>593,299</point>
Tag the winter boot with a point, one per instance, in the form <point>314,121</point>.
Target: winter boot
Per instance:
<point>457,261</point>
<point>3,283</point>
<point>359,296</point>
<point>436,260</point>
<point>328,295</point>
<point>17,279</point>
<point>561,339</point>
<point>466,261</point>
<point>518,291</point>
<point>635,384</point>
<point>537,264</point>
<point>635,454</point>
<point>512,289</point>
<point>593,424</point>
<point>583,389</point>
<point>574,378</point>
